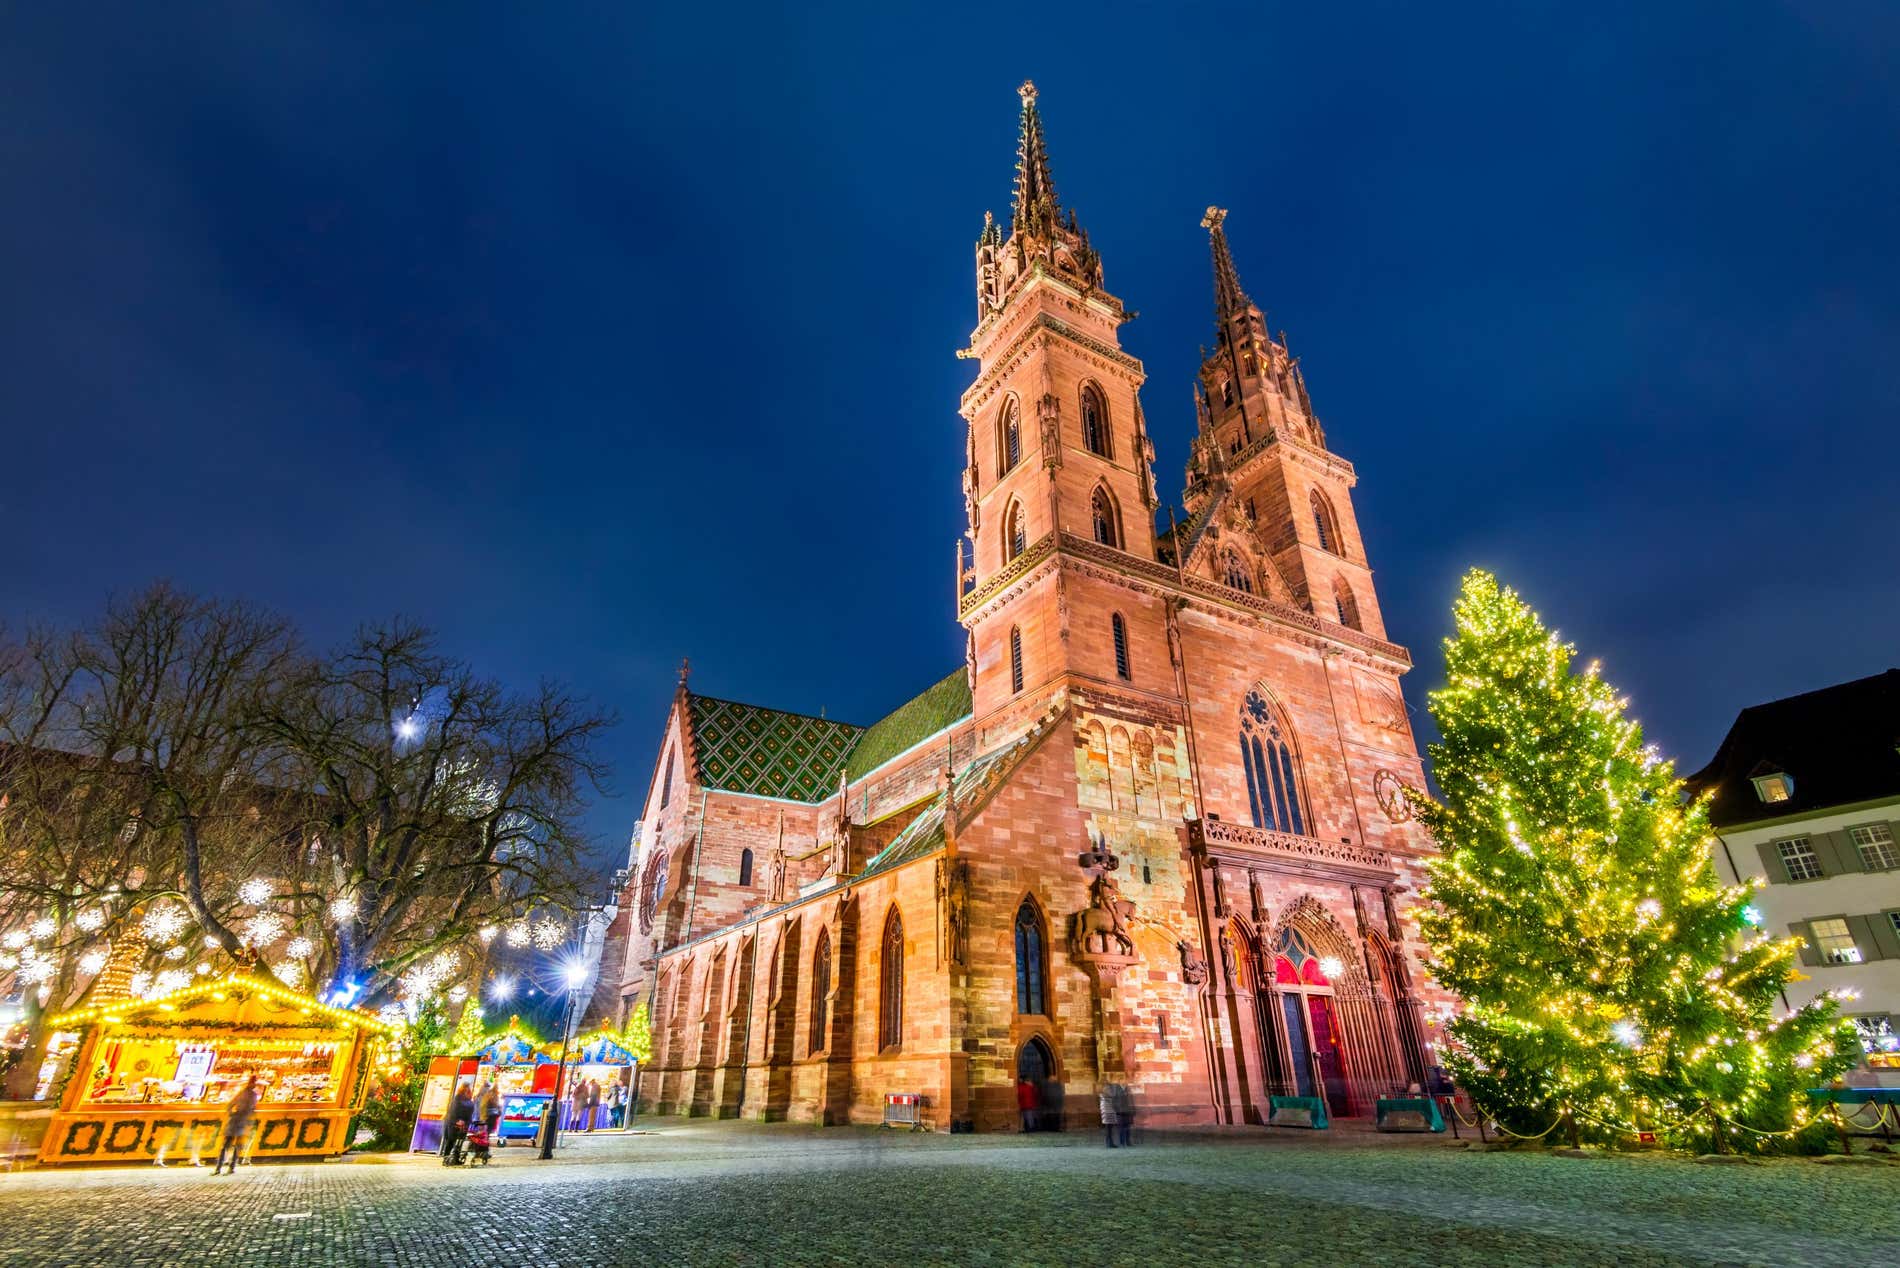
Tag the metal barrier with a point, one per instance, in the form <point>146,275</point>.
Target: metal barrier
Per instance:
<point>905,1109</point>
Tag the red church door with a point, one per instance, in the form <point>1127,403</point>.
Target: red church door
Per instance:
<point>1327,1054</point>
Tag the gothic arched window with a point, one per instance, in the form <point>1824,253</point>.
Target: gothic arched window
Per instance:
<point>1346,604</point>
<point>1015,533</point>
<point>745,866</point>
<point>1009,446</point>
<point>1324,525</point>
<point>820,988</point>
<point>1273,790</point>
<point>890,995</point>
<point>1119,628</point>
<point>1095,422</point>
<point>1015,658</point>
<point>1102,515</point>
<point>1031,996</point>
<point>1235,573</point>
<point>653,891</point>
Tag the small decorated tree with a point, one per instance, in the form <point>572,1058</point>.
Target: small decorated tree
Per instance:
<point>1608,976</point>
<point>638,1036</point>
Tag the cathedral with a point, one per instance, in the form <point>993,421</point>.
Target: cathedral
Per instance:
<point>1153,831</point>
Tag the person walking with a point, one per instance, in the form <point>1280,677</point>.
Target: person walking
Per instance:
<point>1124,1113</point>
<point>455,1125</point>
<point>593,1103</point>
<point>239,1114</point>
<point>1026,1102</point>
<point>488,1106</point>
<point>616,1104</point>
<point>1111,1116</point>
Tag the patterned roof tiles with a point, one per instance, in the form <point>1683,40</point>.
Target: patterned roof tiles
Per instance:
<point>767,752</point>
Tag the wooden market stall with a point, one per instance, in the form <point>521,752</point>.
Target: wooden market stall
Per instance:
<point>152,1077</point>
<point>600,1057</point>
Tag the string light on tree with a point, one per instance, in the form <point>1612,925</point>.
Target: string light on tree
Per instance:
<point>1607,974</point>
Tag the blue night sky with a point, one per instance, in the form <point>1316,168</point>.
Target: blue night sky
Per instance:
<point>596,338</point>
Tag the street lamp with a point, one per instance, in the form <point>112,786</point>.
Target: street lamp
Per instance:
<point>573,975</point>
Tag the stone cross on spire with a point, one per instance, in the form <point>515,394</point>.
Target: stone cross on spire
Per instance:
<point>1228,297</point>
<point>1036,207</point>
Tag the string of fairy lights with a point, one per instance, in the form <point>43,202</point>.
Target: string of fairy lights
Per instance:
<point>1605,971</point>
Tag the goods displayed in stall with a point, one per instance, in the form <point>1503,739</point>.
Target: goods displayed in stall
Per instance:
<point>514,1059</point>
<point>152,1077</point>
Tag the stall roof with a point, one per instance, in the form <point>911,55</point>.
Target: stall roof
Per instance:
<point>119,1010</point>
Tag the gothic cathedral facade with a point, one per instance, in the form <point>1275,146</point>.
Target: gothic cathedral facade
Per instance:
<point>1153,831</point>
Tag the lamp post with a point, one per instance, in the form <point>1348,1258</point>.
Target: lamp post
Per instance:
<point>574,975</point>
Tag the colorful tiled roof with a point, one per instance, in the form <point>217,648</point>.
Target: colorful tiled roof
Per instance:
<point>917,719</point>
<point>769,753</point>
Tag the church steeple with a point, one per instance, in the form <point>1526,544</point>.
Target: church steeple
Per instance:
<point>1036,209</point>
<point>1229,299</point>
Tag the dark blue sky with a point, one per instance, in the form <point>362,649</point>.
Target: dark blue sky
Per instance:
<point>597,337</point>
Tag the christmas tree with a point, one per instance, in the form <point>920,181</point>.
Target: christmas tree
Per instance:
<point>1609,979</point>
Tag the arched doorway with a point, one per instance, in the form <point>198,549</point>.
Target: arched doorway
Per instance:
<point>1303,979</point>
<point>1037,1064</point>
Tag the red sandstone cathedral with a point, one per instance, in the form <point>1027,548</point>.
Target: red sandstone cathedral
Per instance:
<point>1152,831</point>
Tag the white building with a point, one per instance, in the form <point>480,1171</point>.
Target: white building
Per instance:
<point>1806,794</point>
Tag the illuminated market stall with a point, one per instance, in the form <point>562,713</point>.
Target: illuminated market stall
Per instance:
<point>151,1078</point>
<point>523,1072</point>
<point>600,1057</point>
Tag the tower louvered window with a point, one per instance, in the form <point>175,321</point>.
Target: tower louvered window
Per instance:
<point>1015,658</point>
<point>1012,438</point>
<point>1102,515</point>
<point>1273,791</point>
<point>1323,527</point>
<point>1015,533</point>
<point>1120,628</point>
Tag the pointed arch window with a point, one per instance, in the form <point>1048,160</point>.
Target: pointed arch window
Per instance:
<point>1119,628</point>
<point>745,867</point>
<point>1273,788</point>
<point>1015,532</point>
<point>890,994</point>
<point>1032,996</point>
<point>1015,658</point>
<point>1235,573</point>
<point>820,989</point>
<point>1102,515</point>
<point>1325,528</point>
<point>1346,604</point>
<point>1009,440</point>
<point>1095,422</point>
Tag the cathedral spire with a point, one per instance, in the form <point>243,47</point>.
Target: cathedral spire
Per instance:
<point>1036,206</point>
<point>1228,297</point>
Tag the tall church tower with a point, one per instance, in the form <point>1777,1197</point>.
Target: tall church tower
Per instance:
<point>1057,448</point>
<point>1261,463</point>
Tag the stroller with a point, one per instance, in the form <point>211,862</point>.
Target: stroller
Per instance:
<point>478,1142</point>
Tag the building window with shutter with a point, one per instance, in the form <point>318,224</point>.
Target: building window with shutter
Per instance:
<point>1834,942</point>
<point>1775,787</point>
<point>1121,646</point>
<point>1799,860</point>
<point>1875,842</point>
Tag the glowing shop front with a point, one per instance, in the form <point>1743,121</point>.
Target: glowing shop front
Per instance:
<point>151,1078</point>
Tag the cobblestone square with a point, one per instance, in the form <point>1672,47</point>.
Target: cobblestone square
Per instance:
<point>700,1192</point>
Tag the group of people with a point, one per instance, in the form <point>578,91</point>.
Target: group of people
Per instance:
<point>585,1098</point>
<point>480,1105</point>
<point>1118,1110</point>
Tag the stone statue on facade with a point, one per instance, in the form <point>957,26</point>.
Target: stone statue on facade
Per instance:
<point>1193,965</point>
<point>1101,928</point>
<point>775,874</point>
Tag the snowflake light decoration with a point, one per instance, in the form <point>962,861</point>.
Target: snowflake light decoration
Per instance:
<point>457,994</point>
<point>36,969</point>
<point>299,948</point>
<point>92,961</point>
<point>203,967</point>
<point>162,924</point>
<point>140,984</point>
<point>15,940</point>
<point>549,934</point>
<point>44,927</point>
<point>518,934</point>
<point>170,980</point>
<point>91,920</point>
<point>289,972</point>
<point>264,928</point>
<point>175,953</point>
<point>487,932</point>
<point>342,909</point>
<point>8,960</point>
<point>255,891</point>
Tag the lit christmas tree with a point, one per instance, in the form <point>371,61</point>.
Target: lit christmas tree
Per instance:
<point>1606,973</point>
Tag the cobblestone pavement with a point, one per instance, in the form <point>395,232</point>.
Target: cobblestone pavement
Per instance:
<point>729,1193</point>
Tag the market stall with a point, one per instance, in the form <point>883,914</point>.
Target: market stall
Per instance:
<point>523,1072</point>
<point>598,1059</point>
<point>151,1077</point>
